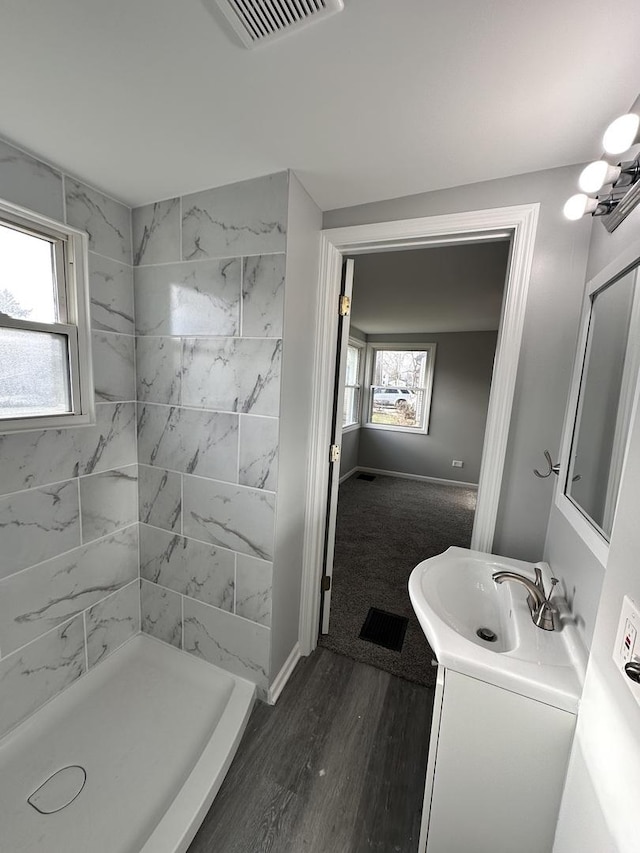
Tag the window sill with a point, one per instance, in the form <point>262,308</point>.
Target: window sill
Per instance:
<point>391,428</point>
<point>54,422</point>
<point>350,428</point>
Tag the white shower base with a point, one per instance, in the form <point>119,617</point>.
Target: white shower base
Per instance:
<point>154,728</point>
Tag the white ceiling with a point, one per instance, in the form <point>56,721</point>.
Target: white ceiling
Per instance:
<point>152,98</point>
<point>441,289</point>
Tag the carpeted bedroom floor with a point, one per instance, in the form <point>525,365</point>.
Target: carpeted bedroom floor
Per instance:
<point>385,527</point>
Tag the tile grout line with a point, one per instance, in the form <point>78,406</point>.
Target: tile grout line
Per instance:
<point>203,542</point>
<point>86,640</point>
<point>80,517</point>
<point>205,260</point>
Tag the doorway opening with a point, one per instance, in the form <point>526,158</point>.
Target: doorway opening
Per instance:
<point>516,224</point>
<point>415,361</point>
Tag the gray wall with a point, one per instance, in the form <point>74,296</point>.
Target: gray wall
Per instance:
<point>349,450</point>
<point>461,384</point>
<point>550,331</point>
<point>69,590</point>
<point>600,798</point>
<point>209,294</point>
<point>303,246</point>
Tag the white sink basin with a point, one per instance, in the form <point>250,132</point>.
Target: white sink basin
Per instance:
<point>454,596</point>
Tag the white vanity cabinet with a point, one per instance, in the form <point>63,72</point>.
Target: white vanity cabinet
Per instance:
<point>496,768</point>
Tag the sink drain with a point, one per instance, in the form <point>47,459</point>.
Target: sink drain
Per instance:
<point>487,635</point>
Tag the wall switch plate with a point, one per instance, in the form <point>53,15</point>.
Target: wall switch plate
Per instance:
<point>457,463</point>
<point>627,646</point>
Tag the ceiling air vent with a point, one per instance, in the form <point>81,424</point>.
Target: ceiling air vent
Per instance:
<point>260,21</point>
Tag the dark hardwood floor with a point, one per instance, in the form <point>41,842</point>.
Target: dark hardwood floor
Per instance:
<point>337,766</point>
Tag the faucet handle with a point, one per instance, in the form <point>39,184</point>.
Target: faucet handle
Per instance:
<point>538,581</point>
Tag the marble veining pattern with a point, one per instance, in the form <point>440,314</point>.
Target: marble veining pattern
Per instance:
<point>38,524</point>
<point>236,518</point>
<point>111,289</point>
<point>156,232</point>
<point>30,183</point>
<point>159,370</point>
<point>113,367</point>
<point>160,498</point>
<point>161,613</point>
<point>35,674</point>
<point>112,621</point>
<point>253,589</point>
<point>189,441</point>
<point>263,296</point>
<point>247,218</point>
<point>235,644</point>
<point>188,299</point>
<point>41,597</point>
<point>47,456</point>
<point>107,222</point>
<point>109,501</point>
<point>258,465</point>
<point>189,567</point>
<point>232,374</point>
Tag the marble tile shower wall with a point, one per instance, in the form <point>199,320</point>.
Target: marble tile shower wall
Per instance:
<point>209,289</point>
<point>69,588</point>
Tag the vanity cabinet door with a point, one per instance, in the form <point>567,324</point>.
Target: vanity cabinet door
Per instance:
<point>498,770</point>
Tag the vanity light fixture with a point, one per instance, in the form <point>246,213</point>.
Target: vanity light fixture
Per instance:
<point>616,186</point>
<point>580,204</point>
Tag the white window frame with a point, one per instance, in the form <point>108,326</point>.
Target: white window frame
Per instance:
<point>72,281</point>
<point>361,346</point>
<point>375,346</point>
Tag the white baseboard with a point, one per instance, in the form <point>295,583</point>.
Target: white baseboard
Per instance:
<point>349,474</point>
<point>415,477</point>
<point>284,675</point>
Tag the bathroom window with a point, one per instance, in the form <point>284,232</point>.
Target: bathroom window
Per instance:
<point>45,357</point>
<point>401,380</point>
<point>353,385</point>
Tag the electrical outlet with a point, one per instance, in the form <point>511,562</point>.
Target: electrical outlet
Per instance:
<point>627,647</point>
<point>457,463</point>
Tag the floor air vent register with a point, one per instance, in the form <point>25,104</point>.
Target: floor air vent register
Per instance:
<point>384,629</point>
<point>259,21</point>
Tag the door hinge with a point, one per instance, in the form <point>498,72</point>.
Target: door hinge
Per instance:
<point>325,586</point>
<point>345,306</point>
<point>334,453</point>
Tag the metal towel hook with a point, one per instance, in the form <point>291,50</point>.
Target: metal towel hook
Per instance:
<point>553,469</point>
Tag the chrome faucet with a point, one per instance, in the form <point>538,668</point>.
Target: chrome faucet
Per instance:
<point>542,611</point>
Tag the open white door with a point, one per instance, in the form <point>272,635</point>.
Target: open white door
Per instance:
<point>336,440</point>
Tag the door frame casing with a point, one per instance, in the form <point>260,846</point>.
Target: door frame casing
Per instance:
<point>517,222</point>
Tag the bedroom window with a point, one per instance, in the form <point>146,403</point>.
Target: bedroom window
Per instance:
<point>45,357</point>
<point>401,382</point>
<point>353,384</point>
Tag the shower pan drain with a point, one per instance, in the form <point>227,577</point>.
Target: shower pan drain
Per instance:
<point>59,790</point>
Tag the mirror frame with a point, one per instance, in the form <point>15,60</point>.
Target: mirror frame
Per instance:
<point>586,529</point>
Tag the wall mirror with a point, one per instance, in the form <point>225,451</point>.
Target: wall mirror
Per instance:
<point>604,389</point>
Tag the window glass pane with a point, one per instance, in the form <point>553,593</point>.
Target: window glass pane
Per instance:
<point>404,368</point>
<point>353,362</point>
<point>27,276</point>
<point>397,406</point>
<point>350,411</point>
<point>34,374</point>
